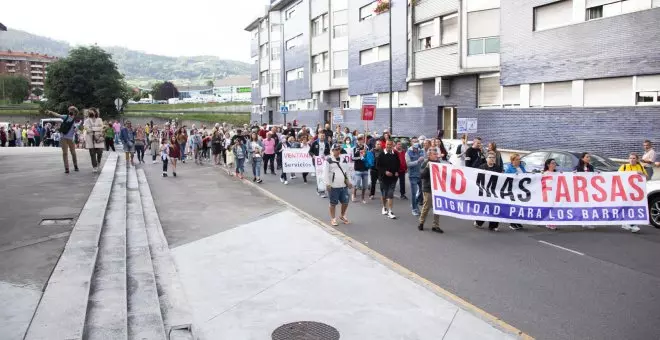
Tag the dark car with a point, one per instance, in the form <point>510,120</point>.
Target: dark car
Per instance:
<point>566,161</point>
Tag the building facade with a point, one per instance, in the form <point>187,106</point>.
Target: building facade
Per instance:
<point>571,74</point>
<point>31,66</point>
<point>233,89</point>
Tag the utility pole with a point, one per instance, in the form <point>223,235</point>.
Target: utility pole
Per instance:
<point>390,26</point>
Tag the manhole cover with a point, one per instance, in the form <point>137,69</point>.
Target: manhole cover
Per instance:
<point>56,222</point>
<point>305,330</point>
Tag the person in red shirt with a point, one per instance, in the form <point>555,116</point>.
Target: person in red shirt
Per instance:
<point>263,131</point>
<point>403,169</point>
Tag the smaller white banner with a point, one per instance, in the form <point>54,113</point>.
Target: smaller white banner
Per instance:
<point>297,161</point>
<point>346,164</point>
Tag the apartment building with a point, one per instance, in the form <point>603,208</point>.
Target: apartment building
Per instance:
<point>534,73</point>
<point>29,65</point>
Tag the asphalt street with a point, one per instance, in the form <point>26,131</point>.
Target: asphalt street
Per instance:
<point>573,283</point>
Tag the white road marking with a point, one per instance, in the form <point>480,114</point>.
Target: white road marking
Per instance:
<point>560,247</point>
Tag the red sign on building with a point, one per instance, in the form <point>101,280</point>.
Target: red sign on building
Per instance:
<point>369,107</point>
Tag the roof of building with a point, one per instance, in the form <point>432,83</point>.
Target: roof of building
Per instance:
<point>253,25</point>
<point>14,54</point>
<point>234,81</point>
<point>194,88</point>
<point>3,27</point>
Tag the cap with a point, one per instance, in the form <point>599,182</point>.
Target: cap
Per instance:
<point>336,147</point>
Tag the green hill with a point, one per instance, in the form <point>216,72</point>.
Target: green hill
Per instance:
<point>139,68</point>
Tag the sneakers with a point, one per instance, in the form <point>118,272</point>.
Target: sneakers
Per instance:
<point>259,180</point>
<point>390,215</point>
<point>476,225</point>
<point>323,195</point>
<point>404,197</point>
<point>364,202</point>
<point>420,227</point>
<point>632,228</point>
<point>164,175</point>
<point>154,162</point>
<point>496,229</point>
<point>66,171</point>
<point>281,179</point>
<point>515,226</point>
<point>384,211</point>
<point>95,170</point>
<point>76,169</point>
<point>293,176</point>
<point>415,213</point>
<point>437,230</point>
<point>286,182</point>
<point>254,179</point>
<point>174,173</point>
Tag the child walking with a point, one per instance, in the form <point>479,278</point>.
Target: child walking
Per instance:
<point>164,154</point>
<point>175,154</point>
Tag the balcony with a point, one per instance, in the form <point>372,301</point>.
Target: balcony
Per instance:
<point>264,64</point>
<point>41,83</point>
<point>10,64</point>
<point>37,77</point>
<point>36,66</point>
<point>436,62</point>
<point>320,81</point>
<point>320,43</point>
<point>265,91</point>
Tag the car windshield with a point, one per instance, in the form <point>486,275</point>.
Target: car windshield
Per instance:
<point>601,162</point>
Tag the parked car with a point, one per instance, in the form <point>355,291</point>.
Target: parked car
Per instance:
<point>566,161</point>
<point>653,194</point>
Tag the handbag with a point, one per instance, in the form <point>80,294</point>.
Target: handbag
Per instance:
<point>346,181</point>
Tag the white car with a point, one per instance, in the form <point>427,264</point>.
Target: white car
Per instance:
<point>653,193</point>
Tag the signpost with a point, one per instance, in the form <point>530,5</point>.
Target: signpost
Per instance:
<point>284,110</point>
<point>368,109</point>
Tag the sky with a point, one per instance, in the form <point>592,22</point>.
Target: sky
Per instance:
<point>165,27</point>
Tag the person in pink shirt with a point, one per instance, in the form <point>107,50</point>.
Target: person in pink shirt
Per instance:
<point>117,127</point>
<point>269,152</point>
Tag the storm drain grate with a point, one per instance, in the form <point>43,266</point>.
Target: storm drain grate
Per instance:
<point>56,222</point>
<point>305,330</point>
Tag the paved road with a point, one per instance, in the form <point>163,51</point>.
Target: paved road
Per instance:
<point>612,291</point>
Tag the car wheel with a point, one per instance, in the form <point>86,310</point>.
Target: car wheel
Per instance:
<point>654,210</point>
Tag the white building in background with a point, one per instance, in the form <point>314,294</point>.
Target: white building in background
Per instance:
<point>233,89</point>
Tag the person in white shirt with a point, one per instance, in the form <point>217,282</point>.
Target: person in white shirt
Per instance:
<point>337,185</point>
<point>94,137</point>
<point>648,159</point>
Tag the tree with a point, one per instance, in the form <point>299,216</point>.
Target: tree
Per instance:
<point>164,91</point>
<point>87,77</point>
<point>37,91</point>
<point>209,83</point>
<point>14,88</point>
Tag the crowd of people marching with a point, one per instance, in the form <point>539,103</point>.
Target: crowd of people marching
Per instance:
<point>378,160</point>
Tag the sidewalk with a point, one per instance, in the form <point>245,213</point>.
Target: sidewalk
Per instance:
<point>246,281</point>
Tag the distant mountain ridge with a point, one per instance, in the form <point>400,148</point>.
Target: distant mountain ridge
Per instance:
<point>139,68</point>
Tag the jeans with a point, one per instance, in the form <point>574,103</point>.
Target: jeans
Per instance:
<point>68,146</point>
<point>165,161</point>
<point>269,158</point>
<point>140,152</point>
<point>117,137</point>
<point>402,184</point>
<point>428,205</point>
<point>96,155</point>
<point>373,173</point>
<point>240,165</point>
<point>182,147</point>
<point>415,189</point>
<point>279,160</point>
<point>109,143</point>
<point>256,167</point>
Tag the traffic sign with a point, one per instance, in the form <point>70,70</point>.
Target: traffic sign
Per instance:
<point>284,109</point>
<point>118,104</point>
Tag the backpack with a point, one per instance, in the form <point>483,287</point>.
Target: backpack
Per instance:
<point>369,159</point>
<point>66,125</point>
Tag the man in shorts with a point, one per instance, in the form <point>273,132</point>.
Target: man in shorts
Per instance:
<point>337,184</point>
<point>388,165</point>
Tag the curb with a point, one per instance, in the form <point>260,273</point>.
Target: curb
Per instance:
<point>401,270</point>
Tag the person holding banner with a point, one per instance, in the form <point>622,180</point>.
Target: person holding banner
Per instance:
<point>290,143</point>
<point>515,167</point>
<point>388,165</point>
<point>490,165</point>
<point>337,185</point>
<point>320,147</point>
<point>426,191</point>
<point>633,165</point>
<point>414,159</point>
<point>550,167</point>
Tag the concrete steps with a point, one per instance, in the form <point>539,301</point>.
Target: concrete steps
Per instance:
<point>116,278</point>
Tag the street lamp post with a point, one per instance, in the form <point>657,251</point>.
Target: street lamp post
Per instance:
<point>390,61</point>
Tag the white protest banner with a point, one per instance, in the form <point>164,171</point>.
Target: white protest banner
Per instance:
<point>297,161</point>
<point>346,163</point>
<point>612,198</point>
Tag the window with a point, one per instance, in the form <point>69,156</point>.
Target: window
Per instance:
<point>367,11</point>
<point>449,29</point>
<point>656,3</point>
<point>264,51</point>
<point>317,64</point>
<point>647,90</point>
<point>489,90</point>
<point>339,31</point>
<point>293,106</point>
<point>275,53</point>
<point>594,12</point>
<point>295,74</point>
<point>346,104</point>
<point>563,160</point>
<point>608,92</point>
<point>291,12</point>
<point>557,94</point>
<point>320,25</point>
<point>384,52</point>
<point>293,42</point>
<point>484,45</point>
<point>367,56</point>
<point>340,17</point>
<point>264,78</point>
<point>275,80</point>
<point>553,15</point>
<point>426,36</point>
<point>511,96</point>
<point>383,99</point>
<point>275,28</point>
<point>340,74</point>
<point>403,98</point>
<point>535,95</point>
<point>340,62</point>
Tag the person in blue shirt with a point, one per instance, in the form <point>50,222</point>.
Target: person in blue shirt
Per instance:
<point>515,167</point>
<point>67,130</point>
<point>127,136</point>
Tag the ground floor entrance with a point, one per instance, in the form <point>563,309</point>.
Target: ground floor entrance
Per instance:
<point>447,122</point>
